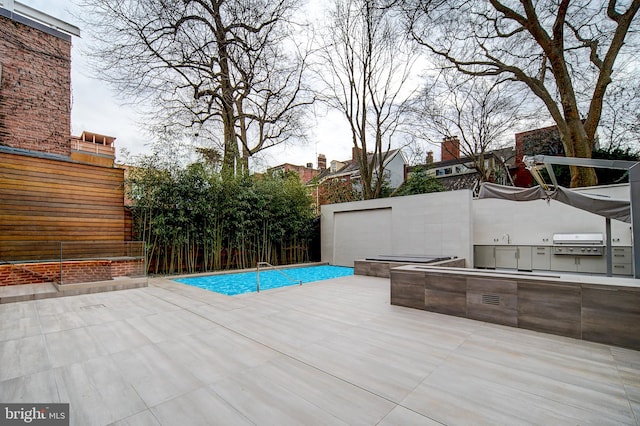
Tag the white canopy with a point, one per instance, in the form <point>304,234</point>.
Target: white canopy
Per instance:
<point>600,205</point>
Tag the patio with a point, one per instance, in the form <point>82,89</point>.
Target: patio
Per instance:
<point>333,352</point>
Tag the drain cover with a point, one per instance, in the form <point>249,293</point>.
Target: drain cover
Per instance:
<point>91,307</point>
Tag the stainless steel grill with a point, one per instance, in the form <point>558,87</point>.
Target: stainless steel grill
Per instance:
<point>588,244</point>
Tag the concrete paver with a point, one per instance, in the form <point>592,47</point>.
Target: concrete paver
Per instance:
<point>333,352</point>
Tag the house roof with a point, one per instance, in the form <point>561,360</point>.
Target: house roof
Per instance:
<point>456,182</point>
<point>469,179</point>
<point>352,168</point>
<point>37,19</point>
<point>505,155</point>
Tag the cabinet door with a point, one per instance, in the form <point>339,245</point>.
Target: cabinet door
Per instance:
<point>483,257</point>
<point>565,263</point>
<point>506,257</point>
<point>622,269</point>
<point>621,255</point>
<point>541,258</point>
<point>622,263</point>
<point>592,264</point>
<point>524,258</point>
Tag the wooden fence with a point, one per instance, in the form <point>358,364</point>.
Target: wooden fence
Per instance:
<point>48,200</point>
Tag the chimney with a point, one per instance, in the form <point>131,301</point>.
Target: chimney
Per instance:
<point>355,151</point>
<point>429,158</point>
<point>450,148</point>
<point>322,162</point>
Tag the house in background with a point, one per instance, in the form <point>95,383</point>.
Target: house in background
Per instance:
<point>505,165</point>
<point>393,165</point>
<point>306,173</point>
<point>340,181</point>
<point>344,176</point>
<point>60,196</point>
<point>542,141</point>
<point>457,172</point>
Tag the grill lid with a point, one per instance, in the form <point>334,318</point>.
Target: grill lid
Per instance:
<point>586,239</point>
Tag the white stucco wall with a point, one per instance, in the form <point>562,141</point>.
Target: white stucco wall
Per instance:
<point>428,224</point>
<point>535,222</point>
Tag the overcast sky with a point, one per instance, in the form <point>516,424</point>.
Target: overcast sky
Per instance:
<point>95,108</point>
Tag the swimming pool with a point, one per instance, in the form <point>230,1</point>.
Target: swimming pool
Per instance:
<point>245,282</point>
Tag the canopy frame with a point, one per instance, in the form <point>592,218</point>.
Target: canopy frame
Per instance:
<point>633,167</point>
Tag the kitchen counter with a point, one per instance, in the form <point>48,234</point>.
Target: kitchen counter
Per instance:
<point>543,258</point>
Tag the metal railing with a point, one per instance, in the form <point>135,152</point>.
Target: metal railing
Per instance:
<point>274,268</point>
<point>72,261</point>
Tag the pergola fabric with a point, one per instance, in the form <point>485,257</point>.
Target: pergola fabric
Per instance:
<point>600,205</point>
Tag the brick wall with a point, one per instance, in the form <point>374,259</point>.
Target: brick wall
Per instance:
<point>127,268</point>
<point>72,271</point>
<point>14,275</point>
<point>35,90</point>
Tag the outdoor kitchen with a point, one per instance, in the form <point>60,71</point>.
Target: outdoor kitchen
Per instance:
<point>555,260</point>
<point>563,262</point>
<point>568,252</point>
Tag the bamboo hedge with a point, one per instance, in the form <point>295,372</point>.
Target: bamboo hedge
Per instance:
<point>192,220</point>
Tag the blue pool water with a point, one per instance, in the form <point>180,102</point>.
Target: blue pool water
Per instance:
<point>245,282</point>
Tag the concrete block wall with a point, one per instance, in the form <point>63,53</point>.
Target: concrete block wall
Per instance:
<point>35,89</point>
<point>427,224</point>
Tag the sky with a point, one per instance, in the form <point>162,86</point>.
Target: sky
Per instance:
<point>96,108</point>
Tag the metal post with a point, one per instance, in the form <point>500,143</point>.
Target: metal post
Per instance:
<point>258,277</point>
<point>60,262</point>
<point>609,248</point>
<point>634,187</point>
<point>145,260</point>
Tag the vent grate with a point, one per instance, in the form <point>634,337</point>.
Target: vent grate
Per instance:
<point>490,299</point>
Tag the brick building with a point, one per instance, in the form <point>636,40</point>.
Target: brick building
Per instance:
<point>55,190</point>
<point>544,141</point>
<point>35,87</point>
<point>306,173</point>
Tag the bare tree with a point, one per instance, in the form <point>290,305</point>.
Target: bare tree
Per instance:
<point>482,113</point>
<point>366,66</point>
<point>620,124</point>
<point>564,51</point>
<point>217,67</point>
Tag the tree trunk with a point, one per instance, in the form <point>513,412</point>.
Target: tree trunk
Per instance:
<point>576,144</point>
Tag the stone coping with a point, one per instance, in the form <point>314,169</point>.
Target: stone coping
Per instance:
<point>24,292</point>
<point>239,271</point>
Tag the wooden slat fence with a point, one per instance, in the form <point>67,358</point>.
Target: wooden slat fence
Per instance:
<point>48,201</point>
